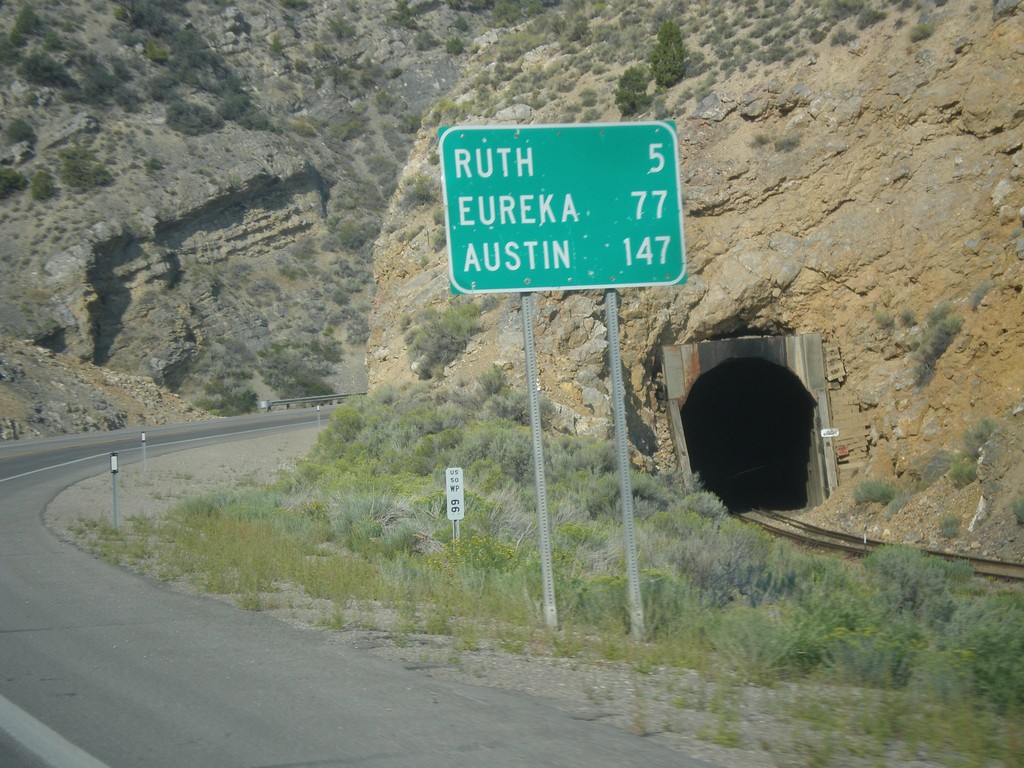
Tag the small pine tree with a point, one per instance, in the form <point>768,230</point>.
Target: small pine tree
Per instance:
<point>455,46</point>
<point>11,182</point>
<point>19,130</point>
<point>43,186</point>
<point>41,69</point>
<point>668,59</point>
<point>26,24</point>
<point>81,170</point>
<point>631,96</point>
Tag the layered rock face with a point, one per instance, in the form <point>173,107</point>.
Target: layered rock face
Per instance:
<point>156,293</point>
<point>227,256</point>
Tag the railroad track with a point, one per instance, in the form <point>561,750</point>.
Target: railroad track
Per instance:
<point>858,546</point>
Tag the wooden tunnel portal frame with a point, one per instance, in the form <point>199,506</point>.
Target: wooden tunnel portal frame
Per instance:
<point>801,354</point>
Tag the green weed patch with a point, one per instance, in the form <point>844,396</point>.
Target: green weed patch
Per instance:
<point>902,646</point>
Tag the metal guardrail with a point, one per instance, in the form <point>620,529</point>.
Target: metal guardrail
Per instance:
<point>305,402</point>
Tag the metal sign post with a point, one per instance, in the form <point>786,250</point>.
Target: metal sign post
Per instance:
<point>113,478</point>
<point>565,207</point>
<point>636,608</point>
<point>537,438</point>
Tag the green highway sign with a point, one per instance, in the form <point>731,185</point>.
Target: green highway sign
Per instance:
<point>562,207</point>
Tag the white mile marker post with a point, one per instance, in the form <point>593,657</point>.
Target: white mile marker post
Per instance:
<point>113,479</point>
<point>456,498</point>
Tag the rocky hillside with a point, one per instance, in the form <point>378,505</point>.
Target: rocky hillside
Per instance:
<point>197,192</point>
<point>190,191</point>
<point>866,186</point>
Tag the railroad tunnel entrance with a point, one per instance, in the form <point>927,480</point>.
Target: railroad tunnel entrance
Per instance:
<point>751,416</point>
<point>748,426</point>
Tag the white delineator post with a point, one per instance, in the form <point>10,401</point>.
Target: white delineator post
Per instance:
<point>113,480</point>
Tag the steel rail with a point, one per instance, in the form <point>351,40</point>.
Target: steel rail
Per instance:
<point>816,537</point>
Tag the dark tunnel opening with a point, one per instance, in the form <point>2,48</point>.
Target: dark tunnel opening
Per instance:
<point>747,424</point>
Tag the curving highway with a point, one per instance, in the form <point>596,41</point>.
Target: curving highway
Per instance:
<point>102,667</point>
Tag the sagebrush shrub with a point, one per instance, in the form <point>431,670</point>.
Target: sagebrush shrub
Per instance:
<point>941,328</point>
<point>292,372</point>
<point>192,119</point>
<point>977,435</point>
<point>27,24</point>
<point>874,491</point>
<point>1017,507</point>
<point>877,656</point>
<point>712,587</point>
<point>753,643</point>
<point>988,633</point>
<point>963,472</point>
<point>920,32</point>
<point>978,294</point>
<point>81,170</point>
<point>731,561</point>
<point>913,584</point>
<point>438,338</point>
<point>43,186</point>
<point>884,319</point>
<point>42,69</point>
<point>421,190</point>
<point>19,130</point>
<point>898,502</point>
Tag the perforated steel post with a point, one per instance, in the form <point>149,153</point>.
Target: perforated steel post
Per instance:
<point>636,608</point>
<point>537,438</point>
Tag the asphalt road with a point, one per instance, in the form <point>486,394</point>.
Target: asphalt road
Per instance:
<point>102,667</point>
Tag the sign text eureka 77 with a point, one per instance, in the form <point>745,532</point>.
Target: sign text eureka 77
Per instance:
<point>562,207</point>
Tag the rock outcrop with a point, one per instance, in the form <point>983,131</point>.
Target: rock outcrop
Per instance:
<point>230,257</point>
<point>43,393</point>
<point>849,197</point>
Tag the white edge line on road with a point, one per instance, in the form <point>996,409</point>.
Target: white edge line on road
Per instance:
<point>155,445</point>
<point>36,737</point>
<point>44,742</point>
